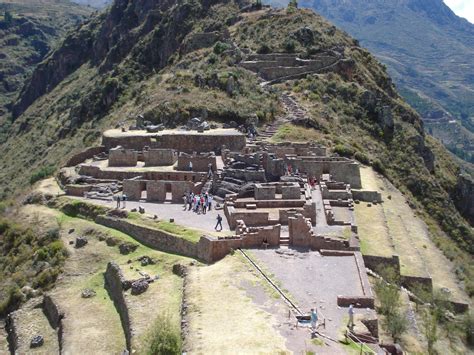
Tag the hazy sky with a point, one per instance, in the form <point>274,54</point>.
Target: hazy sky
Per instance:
<point>462,8</point>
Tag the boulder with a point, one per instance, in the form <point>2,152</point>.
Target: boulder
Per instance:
<point>180,270</point>
<point>127,248</point>
<point>139,287</point>
<point>37,341</point>
<point>146,260</point>
<point>81,242</point>
<point>304,35</point>
<point>88,293</point>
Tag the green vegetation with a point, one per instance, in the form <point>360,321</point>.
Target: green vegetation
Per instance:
<point>27,258</point>
<point>42,173</point>
<point>395,321</point>
<point>165,337</point>
<point>81,209</point>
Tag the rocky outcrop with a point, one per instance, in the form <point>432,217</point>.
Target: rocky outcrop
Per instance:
<point>464,197</point>
<point>144,31</point>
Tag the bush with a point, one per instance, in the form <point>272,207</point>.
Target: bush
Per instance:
<point>220,47</point>
<point>378,166</point>
<point>264,49</point>
<point>42,173</point>
<point>344,150</point>
<point>396,324</point>
<point>12,300</point>
<point>364,159</point>
<point>165,337</point>
<point>389,298</point>
<point>289,45</point>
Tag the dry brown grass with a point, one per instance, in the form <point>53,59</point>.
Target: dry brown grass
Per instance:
<point>222,317</point>
<point>394,223</point>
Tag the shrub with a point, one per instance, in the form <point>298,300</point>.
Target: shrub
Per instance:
<point>263,49</point>
<point>212,59</point>
<point>42,173</point>
<point>289,45</point>
<point>344,150</point>
<point>430,329</point>
<point>12,300</point>
<point>220,47</point>
<point>389,298</point>
<point>165,337</point>
<point>363,158</point>
<point>396,324</point>
<point>378,166</point>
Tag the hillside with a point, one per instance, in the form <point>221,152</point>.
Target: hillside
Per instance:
<point>168,62</point>
<point>427,50</point>
<point>133,61</point>
<point>29,30</point>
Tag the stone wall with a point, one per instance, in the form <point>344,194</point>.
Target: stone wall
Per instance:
<point>123,157</point>
<point>264,192</point>
<point>98,173</point>
<point>133,189</point>
<point>375,262</point>
<point>81,157</point>
<point>160,157</point>
<point>114,280</point>
<point>246,174</point>
<point>77,190</point>
<point>341,169</point>
<point>55,316</point>
<point>155,191</point>
<point>200,162</point>
<point>367,196</point>
<point>152,238</point>
<point>188,142</point>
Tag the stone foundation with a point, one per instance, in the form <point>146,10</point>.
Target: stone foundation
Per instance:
<point>200,162</point>
<point>121,157</point>
<point>159,157</point>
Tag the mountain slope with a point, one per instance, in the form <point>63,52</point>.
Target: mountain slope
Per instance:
<point>172,61</point>
<point>28,31</point>
<point>427,48</point>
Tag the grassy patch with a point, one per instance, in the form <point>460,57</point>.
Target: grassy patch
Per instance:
<point>291,133</point>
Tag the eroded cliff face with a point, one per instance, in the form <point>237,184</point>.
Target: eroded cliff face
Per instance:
<point>464,197</point>
<point>145,32</point>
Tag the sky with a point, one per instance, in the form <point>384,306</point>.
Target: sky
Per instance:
<point>462,8</point>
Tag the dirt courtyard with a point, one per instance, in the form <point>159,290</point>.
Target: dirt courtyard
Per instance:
<point>313,280</point>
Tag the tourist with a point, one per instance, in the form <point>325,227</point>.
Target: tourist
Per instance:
<point>219,222</point>
<point>351,317</point>
<point>209,171</point>
<point>185,201</point>
<point>124,200</point>
<point>190,166</point>
<point>203,204</point>
<point>209,202</point>
<point>314,320</point>
<point>118,201</point>
<point>190,201</point>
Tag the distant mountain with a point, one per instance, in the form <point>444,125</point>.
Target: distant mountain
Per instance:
<point>29,30</point>
<point>429,51</point>
<point>98,4</point>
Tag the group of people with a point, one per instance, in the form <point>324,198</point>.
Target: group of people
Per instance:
<point>197,203</point>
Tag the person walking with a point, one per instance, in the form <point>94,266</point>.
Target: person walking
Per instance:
<point>209,171</point>
<point>124,200</point>
<point>190,201</point>
<point>117,198</point>
<point>219,222</point>
<point>190,166</point>
<point>351,317</point>
<point>314,320</point>
<point>203,204</point>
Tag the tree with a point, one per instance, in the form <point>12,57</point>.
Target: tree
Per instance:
<point>430,328</point>
<point>396,324</point>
